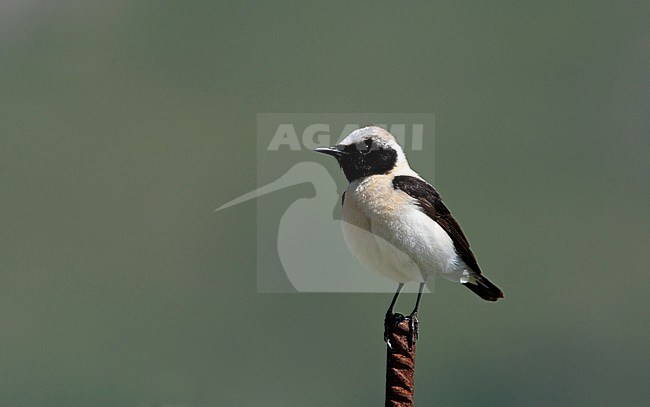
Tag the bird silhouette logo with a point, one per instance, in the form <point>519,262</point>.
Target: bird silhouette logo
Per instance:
<point>309,244</point>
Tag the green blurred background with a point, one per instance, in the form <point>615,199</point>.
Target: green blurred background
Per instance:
<point>123,124</point>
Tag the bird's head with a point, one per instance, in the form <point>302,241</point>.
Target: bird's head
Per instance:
<point>367,151</point>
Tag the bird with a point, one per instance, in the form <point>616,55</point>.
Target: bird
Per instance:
<point>396,223</point>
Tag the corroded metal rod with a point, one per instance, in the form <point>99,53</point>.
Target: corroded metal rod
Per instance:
<point>400,364</point>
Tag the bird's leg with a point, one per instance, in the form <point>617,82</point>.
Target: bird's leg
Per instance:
<point>413,319</point>
<point>392,319</point>
<point>392,303</point>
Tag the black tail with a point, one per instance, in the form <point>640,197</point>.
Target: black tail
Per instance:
<point>484,288</point>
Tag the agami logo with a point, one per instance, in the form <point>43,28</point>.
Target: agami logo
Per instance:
<point>319,135</point>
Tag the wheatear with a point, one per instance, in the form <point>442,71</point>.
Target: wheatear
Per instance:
<point>396,223</point>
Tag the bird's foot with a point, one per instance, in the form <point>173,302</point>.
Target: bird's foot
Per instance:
<point>390,323</point>
<point>414,329</point>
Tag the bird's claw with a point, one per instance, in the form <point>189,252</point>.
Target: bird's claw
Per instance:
<point>391,321</point>
<point>414,329</point>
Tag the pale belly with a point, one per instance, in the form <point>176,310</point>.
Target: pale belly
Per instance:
<point>376,253</point>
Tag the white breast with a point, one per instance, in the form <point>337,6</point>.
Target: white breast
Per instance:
<point>390,235</point>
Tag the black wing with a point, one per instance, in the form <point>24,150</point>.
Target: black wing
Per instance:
<point>431,203</point>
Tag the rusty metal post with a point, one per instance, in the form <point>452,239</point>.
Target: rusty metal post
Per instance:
<point>400,365</point>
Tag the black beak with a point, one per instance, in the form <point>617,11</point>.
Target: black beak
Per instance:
<point>333,151</point>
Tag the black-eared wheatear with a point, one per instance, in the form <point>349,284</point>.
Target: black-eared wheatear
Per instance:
<point>395,222</point>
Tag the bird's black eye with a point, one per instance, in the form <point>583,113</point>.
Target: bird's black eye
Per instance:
<point>365,146</point>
